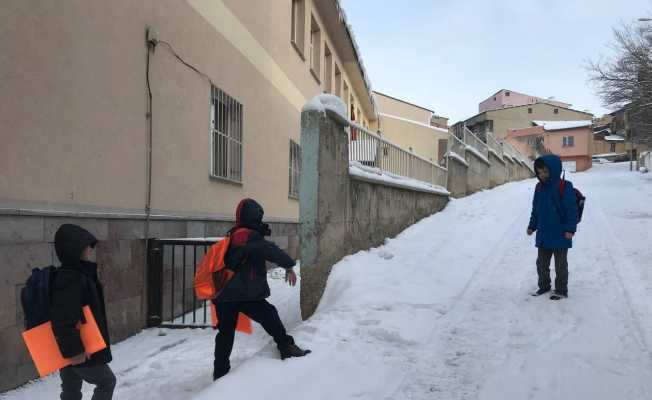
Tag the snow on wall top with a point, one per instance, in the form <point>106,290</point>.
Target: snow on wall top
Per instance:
<point>325,102</point>
<point>556,125</point>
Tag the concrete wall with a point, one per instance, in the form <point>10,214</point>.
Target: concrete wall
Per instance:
<point>478,172</point>
<point>497,171</point>
<point>457,177</point>
<point>341,215</point>
<point>87,62</point>
<point>27,242</point>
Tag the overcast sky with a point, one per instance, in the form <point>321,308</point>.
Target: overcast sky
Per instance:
<point>448,55</point>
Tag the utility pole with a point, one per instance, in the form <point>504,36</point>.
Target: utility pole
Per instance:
<point>628,136</point>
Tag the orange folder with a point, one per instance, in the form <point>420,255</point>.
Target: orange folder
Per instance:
<point>243,325</point>
<point>45,351</point>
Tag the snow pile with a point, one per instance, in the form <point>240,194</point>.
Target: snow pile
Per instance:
<point>324,102</point>
<point>443,311</point>
<point>614,138</point>
<point>556,125</point>
<point>377,175</point>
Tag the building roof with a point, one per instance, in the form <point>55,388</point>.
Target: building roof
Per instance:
<point>527,105</point>
<point>342,35</point>
<point>550,101</point>
<point>402,101</point>
<point>559,125</point>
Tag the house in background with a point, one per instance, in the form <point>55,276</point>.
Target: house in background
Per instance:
<point>411,127</point>
<point>571,140</point>
<point>508,98</point>
<point>607,143</point>
<point>500,121</point>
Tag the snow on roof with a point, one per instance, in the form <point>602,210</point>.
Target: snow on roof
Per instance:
<point>557,125</point>
<point>614,138</point>
<point>434,128</point>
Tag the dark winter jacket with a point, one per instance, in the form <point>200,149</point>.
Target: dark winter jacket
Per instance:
<point>248,254</point>
<point>74,286</point>
<point>552,213</point>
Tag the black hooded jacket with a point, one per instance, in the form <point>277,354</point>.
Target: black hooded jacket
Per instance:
<point>74,286</point>
<point>248,254</point>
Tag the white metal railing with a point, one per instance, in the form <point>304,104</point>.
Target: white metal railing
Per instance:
<point>494,145</point>
<point>474,142</point>
<point>456,145</point>
<point>372,150</point>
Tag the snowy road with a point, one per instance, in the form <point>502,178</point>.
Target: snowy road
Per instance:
<point>443,311</point>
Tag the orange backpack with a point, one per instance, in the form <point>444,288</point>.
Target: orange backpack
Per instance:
<point>212,277</point>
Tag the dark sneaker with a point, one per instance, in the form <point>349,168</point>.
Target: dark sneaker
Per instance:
<point>540,292</point>
<point>558,295</point>
<point>292,350</point>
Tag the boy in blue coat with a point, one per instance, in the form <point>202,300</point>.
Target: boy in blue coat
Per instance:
<point>554,219</point>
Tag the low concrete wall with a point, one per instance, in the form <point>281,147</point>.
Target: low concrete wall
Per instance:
<point>511,169</point>
<point>478,173</point>
<point>497,171</point>
<point>457,177</point>
<point>27,242</point>
<point>341,214</point>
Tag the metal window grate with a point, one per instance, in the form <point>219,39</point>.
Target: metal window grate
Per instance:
<point>294,169</point>
<point>226,136</point>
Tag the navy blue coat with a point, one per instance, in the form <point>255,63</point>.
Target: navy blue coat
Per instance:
<point>552,213</point>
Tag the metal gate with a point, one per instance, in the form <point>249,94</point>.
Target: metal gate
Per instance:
<point>171,267</point>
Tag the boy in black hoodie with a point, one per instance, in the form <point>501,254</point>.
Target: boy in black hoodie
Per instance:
<point>248,289</point>
<point>75,285</point>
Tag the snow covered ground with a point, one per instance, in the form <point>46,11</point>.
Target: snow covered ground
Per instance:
<point>443,311</point>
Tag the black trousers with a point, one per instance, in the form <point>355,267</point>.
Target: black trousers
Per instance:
<point>99,375</point>
<point>227,314</point>
<point>561,269</point>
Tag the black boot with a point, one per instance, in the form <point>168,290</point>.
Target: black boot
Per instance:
<point>541,291</point>
<point>292,350</point>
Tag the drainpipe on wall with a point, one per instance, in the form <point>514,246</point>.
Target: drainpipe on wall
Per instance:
<point>151,41</point>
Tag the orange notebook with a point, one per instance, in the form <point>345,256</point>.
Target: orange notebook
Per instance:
<point>243,325</point>
<point>45,351</point>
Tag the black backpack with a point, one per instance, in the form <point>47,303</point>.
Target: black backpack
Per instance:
<point>35,296</point>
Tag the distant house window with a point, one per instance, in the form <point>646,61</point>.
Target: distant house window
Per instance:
<point>315,49</point>
<point>494,99</point>
<point>507,94</point>
<point>556,111</point>
<point>298,25</point>
<point>569,141</point>
<point>613,148</point>
<point>529,110</point>
<point>226,135</point>
<point>295,169</point>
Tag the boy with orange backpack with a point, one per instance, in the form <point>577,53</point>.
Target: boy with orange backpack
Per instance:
<point>244,286</point>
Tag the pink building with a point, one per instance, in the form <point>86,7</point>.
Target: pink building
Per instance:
<point>507,98</point>
<point>570,140</point>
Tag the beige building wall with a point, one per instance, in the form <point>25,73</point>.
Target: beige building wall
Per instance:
<point>519,117</point>
<point>603,147</point>
<point>399,108</point>
<point>74,128</point>
<point>422,139</point>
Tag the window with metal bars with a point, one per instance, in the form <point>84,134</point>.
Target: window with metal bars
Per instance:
<point>295,169</point>
<point>226,136</point>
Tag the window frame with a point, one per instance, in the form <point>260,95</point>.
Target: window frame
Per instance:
<point>226,137</point>
<point>294,169</point>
